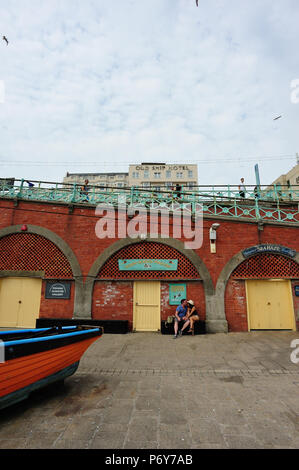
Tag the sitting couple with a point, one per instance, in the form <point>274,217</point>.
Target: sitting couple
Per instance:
<point>186,313</point>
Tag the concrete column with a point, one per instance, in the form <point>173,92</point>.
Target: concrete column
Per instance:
<point>83,298</point>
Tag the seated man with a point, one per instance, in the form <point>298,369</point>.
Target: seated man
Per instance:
<point>180,316</point>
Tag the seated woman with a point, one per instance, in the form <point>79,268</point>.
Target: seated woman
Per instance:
<point>192,316</point>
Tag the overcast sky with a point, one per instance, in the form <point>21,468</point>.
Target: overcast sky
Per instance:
<point>93,85</point>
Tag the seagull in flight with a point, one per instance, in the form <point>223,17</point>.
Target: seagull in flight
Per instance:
<point>278,117</point>
<point>5,39</point>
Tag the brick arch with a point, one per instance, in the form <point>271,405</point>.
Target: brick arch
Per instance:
<point>58,245</point>
<point>237,263</point>
<point>195,260</point>
<point>50,237</point>
<point>191,255</point>
<point>23,251</point>
<point>266,266</point>
<point>148,250</point>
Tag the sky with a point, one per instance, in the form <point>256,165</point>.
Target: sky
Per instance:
<point>96,85</point>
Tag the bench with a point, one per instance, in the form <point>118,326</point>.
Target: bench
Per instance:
<point>168,328</point>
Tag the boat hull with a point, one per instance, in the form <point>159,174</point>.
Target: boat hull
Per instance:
<point>23,393</point>
<point>21,375</point>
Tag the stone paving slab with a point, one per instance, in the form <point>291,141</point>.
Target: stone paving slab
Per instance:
<point>149,391</point>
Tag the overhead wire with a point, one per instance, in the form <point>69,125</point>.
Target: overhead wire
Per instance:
<point>248,159</point>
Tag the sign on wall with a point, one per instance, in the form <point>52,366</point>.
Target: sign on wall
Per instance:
<point>148,264</point>
<point>296,291</point>
<point>177,292</point>
<point>269,248</point>
<point>58,290</point>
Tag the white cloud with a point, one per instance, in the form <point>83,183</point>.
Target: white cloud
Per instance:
<point>129,81</point>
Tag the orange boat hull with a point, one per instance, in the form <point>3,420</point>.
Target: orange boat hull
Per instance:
<point>22,372</point>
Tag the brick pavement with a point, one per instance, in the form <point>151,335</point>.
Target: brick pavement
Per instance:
<point>149,391</point>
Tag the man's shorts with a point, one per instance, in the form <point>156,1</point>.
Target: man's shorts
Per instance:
<point>180,323</point>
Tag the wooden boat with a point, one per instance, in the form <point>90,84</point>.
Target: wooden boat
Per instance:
<point>32,359</point>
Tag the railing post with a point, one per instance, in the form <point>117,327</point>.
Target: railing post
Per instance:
<point>193,203</point>
<point>275,192</point>
<point>131,195</point>
<point>257,211</point>
<point>74,192</point>
<point>54,193</point>
<point>21,188</point>
<point>215,202</point>
<point>93,194</point>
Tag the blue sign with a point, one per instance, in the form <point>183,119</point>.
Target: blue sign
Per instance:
<point>297,291</point>
<point>269,248</point>
<point>148,264</point>
<point>177,292</point>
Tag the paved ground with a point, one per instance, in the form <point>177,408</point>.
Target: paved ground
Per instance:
<point>149,391</point>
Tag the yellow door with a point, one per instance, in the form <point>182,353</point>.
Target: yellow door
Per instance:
<point>146,316</point>
<point>19,301</point>
<point>270,305</point>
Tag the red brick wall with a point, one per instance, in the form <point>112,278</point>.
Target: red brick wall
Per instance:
<point>113,300</point>
<point>195,292</point>
<point>235,305</point>
<point>78,230</point>
<point>57,308</point>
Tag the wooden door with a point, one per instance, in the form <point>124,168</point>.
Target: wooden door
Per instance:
<point>19,302</point>
<point>147,316</point>
<point>270,305</point>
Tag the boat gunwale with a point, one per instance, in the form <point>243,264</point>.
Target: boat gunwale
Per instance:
<point>33,330</point>
<point>16,342</point>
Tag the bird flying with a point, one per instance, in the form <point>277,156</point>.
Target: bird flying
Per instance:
<point>5,39</point>
<point>197,3</point>
<point>278,117</point>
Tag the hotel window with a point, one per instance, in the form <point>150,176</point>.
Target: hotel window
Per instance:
<point>168,174</point>
<point>179,174</point>
<point>146,174</point>
<point>190,173</point>
<point>157,175</point>
<point>135,174</point>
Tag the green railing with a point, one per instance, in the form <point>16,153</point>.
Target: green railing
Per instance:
<point>274,203</point>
